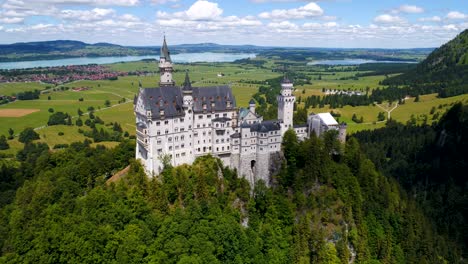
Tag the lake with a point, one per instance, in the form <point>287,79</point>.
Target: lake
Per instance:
<point>352,62</point>
<point>177,58</point>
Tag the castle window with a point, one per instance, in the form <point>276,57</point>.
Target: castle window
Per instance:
<point>158,142</point>
<point>175,120</point>
<point>170,139</point>
<point>170,147</point>
<point>166,122</point>
<point>182,129</point>
<point>217,141</point>
<point>225,115</point>
<point>176,138</point>
<point>217,115</point>
<point>198,149</point>
<point>204,125</point>
<point>182,146</point>
<point>177,155</point>
<point>158,123</point>
<point>222,148</point>
<point>176,129</point>
<point>181,120</point>
<point>159,150</point>
<point>167,131</point>
<point>209,148</point>
<point>158,133</point>
<point>198,125</point>
<point>208,116</point>
<point>200,116</point>
<point>182,137</point>
<point>227,147</point>
<point>217,149</point>
<point>183,154</point>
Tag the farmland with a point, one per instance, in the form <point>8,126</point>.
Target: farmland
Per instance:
<point>245,79</point>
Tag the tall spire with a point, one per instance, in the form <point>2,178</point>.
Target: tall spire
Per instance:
<point>187,83</point>
<point>165,51</point>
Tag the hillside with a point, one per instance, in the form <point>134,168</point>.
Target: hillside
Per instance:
<point>59,49</point>
<point>320,209</point>
<point>445,70</point>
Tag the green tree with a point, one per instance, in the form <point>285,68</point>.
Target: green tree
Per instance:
<point>28,135</point>
<point>3,143</point>
<point>51,110</point>
<point>79,122</point>
<point>107,103</point>
<point>11,133</point>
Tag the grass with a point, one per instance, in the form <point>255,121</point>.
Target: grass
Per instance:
<point>201,74</point>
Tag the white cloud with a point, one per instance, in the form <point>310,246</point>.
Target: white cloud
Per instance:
<point>200,10</point>
<point>129,18</point>
<point>411,9</point>
<point>388,19</point>
<point>456,15</point>
<point>12,20</point>
<point>87,15</point>
<point>162,2</point>
<point>282,25</point>
<point>430,19</point>
<point>309,10</point>
<point>204,10</point>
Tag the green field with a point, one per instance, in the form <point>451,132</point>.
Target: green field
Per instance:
<point>239,77</point>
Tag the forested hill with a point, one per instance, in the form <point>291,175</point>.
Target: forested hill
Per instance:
<point>430,162</point>
<point>59,49</point>
<point>328,204</point>
<point>445,70</point>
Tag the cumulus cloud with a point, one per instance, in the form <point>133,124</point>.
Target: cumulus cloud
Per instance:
<point>12,20</point>
<point>283,25</point>
<point>309,10</point>
<point>456,15</point>
<point>430,19</point>
<point>200,10</point>
<point>410,9</point>
<point>388,19</point>
<point>87,15</point>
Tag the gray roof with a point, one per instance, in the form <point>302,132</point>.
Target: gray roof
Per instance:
<point>252,101</point>
<point>218,95</point>
<point>222,119</point>
<point>170,99</point>
<point>265,126</point>
<point>236,135</point>
<point>299,126</point>
<point>166,98</point>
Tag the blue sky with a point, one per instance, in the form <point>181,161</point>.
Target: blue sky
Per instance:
<point>325,23</point>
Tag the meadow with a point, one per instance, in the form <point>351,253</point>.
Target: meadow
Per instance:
<point>244,80</point>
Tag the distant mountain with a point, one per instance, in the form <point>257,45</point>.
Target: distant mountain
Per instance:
<point>59,49</point>
<point>445,69</point>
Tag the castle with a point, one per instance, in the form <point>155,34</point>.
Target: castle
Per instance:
<point>178,124</point>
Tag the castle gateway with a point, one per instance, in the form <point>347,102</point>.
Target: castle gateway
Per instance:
<point>180,123</point>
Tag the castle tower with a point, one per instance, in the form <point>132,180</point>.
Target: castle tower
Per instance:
<point>187,92</point>
<point>252,106</point>
<point>342,132</point>
<point>165,66</point>
<point>286,101</point>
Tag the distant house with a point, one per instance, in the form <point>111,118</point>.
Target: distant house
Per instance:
<point>323,122</point>
<point>220,74</point>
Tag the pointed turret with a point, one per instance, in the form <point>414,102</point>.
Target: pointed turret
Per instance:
<point>187,84</point>
<point>252,105</point>
<point>165,51</point>
<point>165,66</point>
